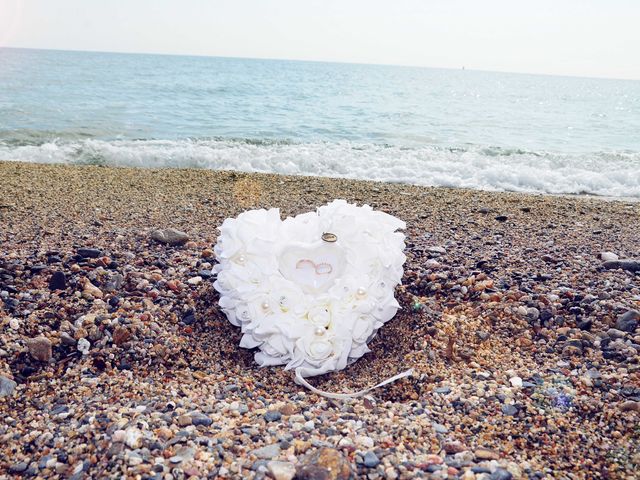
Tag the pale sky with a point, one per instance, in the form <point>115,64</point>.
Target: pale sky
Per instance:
<point>599,38</point>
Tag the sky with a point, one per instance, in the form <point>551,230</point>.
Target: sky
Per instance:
<point>595,38</point>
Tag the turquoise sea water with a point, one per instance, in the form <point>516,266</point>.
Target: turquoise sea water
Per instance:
<point>461,128</point>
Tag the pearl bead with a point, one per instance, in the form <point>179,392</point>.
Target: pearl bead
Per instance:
<point>265,305</point>
<point>320,331</point>
<point>241,259</point>
<point>361,291</point>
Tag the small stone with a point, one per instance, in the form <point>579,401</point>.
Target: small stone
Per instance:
<point>443,390</point>
<point>510,410</point>
<point>207,253</point>
<point>628,322</point>
<point>90,290</point>
<point>83,346</point>
<point>268,452</point>
<point>133,459</point>
<point>486,454</point>
<point>14,323</point>
<point>121,335</point>
<point>516,382</point>
<point>18,467</point>
<point>437,250</point>
<point>86,252</point>
<point>501,474</point>
<point>371,460</point>
<point>199,419</point>
<point>40,348</point>
<point>289,409</point>
<point>170,236</point>
<point>454,447</point>
<point>67,340</point>
<point>272,416</point>
<point>195,280</point>
<point>324,464</point>
<point>7,386</point>
<point>184,420</point>
<point>630,406</point>
<point>281,470</point>
<point>608,257</point>
<point>502,218</point>
<point>133,437</point>
<point>119,436</point>
<point>58,281</point>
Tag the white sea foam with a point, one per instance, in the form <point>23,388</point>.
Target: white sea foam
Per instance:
<point>606,174</point>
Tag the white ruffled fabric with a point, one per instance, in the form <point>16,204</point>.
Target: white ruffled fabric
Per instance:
<point>306,303</point>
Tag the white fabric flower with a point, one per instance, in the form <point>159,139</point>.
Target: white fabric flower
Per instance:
<point>304,302</point>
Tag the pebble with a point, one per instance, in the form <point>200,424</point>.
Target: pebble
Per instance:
<point>510,410</point>
<point>608,257</point>
<point>195,280</point>
<point>86,252</point>
<point>272,416</point>
<point>199,419</point>
<point>486,454</point>
<point>268,452</point>
<point>18,467</point>
<point>39,348</point>
<point>628,322</point>
<point>7,386</point>
<point>184,420</point>
<point>325,464</point>
<point>516,382</point>
<point>371,460</point>
<point>281,470</point>
<point>83,346</point>
<point>169,236</point>
<point>58,281</point>
<point>133,437</point>
<point>500,474</point>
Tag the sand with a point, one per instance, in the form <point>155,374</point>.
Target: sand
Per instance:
<point>524,341</point>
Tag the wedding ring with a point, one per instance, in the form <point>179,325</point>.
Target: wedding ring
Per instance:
<point>329,237</point>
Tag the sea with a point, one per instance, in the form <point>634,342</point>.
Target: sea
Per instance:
<point>425,126</point>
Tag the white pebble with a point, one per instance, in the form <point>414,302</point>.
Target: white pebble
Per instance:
<point>516,382</point>
<point>608,257</point>
<point>194,280</point>
<point>83,346</point>
<point>14,323</point>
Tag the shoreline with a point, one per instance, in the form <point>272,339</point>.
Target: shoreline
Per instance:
<point>510,318</point>
<point>592,196</point>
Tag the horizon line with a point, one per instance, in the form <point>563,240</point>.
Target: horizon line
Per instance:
<point>343,62</point>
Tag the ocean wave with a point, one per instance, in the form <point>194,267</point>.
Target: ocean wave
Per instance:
<point>615,174</point>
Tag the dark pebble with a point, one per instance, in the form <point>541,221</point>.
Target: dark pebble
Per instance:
<point>501,218</point>
<point>58,281</point>
<point>501,474</point>
<point>86,252</point>
<point>628,322</point>
<point>201,420</point>
<point>272,416</point>
<point>585,324</point>
<point>18,467</point>
<point>189,318</point>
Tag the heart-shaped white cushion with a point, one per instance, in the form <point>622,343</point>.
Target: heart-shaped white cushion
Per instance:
<point>304,301</point>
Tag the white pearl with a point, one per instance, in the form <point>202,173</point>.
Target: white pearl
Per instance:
<point>361,292</point>
<point>320,331</point>
<point>241,259</point>
<point>265,305</point>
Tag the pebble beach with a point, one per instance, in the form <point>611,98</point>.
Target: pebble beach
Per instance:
<point>520,317</point>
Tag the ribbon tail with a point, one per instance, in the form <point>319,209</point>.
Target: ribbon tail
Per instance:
<point>300,374</point>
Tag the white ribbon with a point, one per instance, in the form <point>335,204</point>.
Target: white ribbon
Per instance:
<point>300,374</point>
